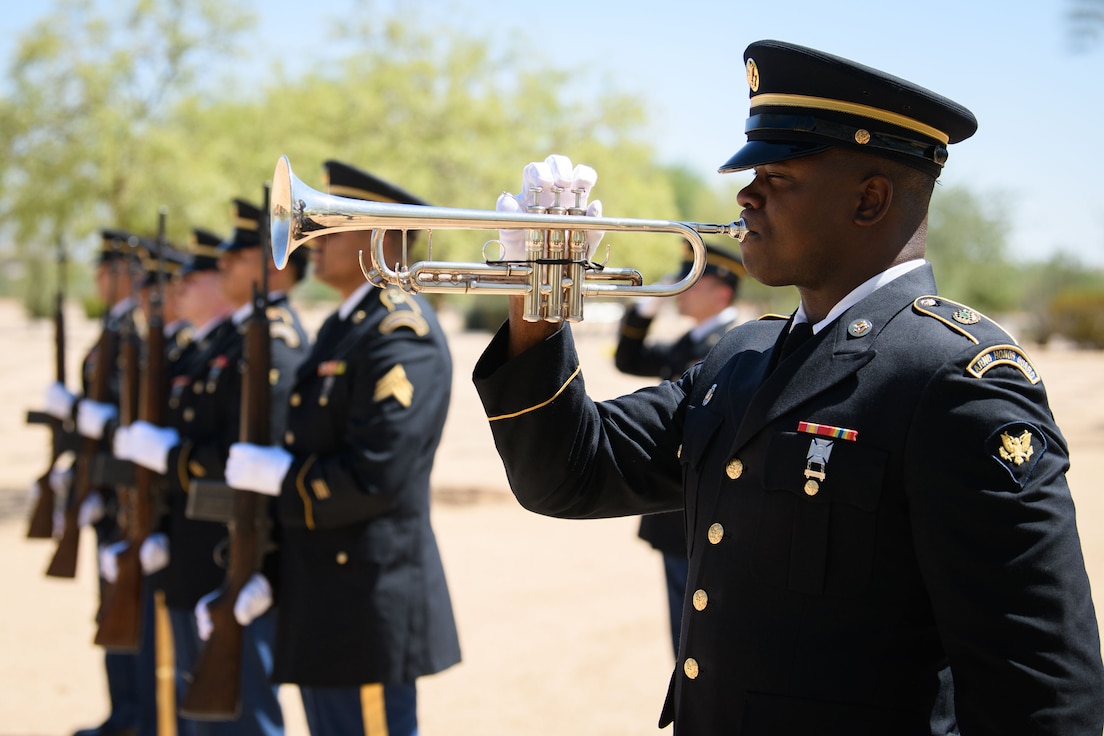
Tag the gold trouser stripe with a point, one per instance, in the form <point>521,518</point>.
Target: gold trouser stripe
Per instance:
<point>165,666</point>
<point>851,108</point>
<point>372,710</point>
<point>543,403</point>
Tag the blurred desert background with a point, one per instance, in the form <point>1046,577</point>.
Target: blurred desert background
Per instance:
<point>563,624</point>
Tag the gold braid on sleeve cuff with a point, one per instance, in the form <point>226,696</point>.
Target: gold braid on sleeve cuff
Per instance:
<point>543,403</point>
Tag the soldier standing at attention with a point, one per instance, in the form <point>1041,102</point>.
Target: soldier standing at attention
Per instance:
<point>710,303</point>
<point>129,687</point>
<point>881,536</point>
<point>203,421</point>
<point>364,609</point>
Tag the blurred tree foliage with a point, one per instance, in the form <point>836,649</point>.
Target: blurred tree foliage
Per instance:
<point>104,120</point>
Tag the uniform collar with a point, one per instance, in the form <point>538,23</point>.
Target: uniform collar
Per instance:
<point>859,293</point>
<point>354,299</point>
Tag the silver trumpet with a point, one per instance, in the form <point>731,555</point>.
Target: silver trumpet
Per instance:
<point>554,277</point>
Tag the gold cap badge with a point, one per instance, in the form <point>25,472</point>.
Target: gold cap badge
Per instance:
<point>753,75</point>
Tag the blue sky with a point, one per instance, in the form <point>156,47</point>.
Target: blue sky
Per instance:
<point>1040,105</point>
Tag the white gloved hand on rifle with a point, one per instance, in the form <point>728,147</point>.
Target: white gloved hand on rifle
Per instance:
<point>91,509</point>
<point>59,401</point>
<point>109,560</point>
<point>554,171</point>
<point>254,599</point>
<point>154,553</point>
<point>92,416</point>
<point>257,468</point>
<point>120,443</point>
<point>149,445</point>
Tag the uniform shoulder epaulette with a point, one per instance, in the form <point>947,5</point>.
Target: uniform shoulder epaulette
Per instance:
<point>772,315</point>
<point>402,311</point>
<point>184,336</point>
<point>141,326</point>
<point>973,325</point>
<point>281,325</point>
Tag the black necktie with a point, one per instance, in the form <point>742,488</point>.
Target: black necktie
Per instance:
<point>800,333</point>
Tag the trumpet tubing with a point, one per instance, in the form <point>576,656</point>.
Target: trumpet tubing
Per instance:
<point>554,278</point>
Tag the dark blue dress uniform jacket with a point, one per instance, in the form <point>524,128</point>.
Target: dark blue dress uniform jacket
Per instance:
<point>205,408</point>
<point>363,597</point>
<point>941,532</point>
<point>665,532</point>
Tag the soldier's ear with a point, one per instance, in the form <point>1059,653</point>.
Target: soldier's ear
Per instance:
<point>875,196</point>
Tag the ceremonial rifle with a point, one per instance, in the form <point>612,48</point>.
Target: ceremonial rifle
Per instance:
<point>120,616</point>
<point>64,562</point>
<point>41,521</point>
<point>215,691</point>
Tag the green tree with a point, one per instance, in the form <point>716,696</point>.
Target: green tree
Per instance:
<point>78,128</point>
<point>967,244</point>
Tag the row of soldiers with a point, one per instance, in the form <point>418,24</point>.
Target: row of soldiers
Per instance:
<point>347,597</point>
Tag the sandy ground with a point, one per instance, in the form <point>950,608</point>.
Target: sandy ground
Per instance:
<point>563,624</point>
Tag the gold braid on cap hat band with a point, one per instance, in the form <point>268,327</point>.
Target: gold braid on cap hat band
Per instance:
<point>850,108</point>
<point>343,191</point>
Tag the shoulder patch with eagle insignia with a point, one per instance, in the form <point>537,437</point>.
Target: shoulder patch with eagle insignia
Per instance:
<point>1017,447</point>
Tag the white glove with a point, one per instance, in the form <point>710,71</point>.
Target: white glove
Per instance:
<point>61,481</point>
<point>92,416</point>
<point>154,553</point>
<point>59,401</point>
<point>254,599</point>
<point>91,510</point>
<point>109,560</point>
<point>257,468</point>
<point>648,306</point>
<point>149,445</point>
<point>554,171</point>
<point>120,443</point>
<point>203,616</point>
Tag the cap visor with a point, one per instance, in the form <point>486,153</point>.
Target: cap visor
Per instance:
<point>757,153</point>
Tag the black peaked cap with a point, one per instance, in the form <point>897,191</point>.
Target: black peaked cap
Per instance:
<point>805,101</point>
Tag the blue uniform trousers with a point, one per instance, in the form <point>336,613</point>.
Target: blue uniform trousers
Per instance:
<point>131,677</point>
<point>372,710</point>
<point>260,707</point>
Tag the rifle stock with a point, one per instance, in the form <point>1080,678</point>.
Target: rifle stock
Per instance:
<point>120,615</point>
<point>215,691</point>
<point>40,524</point>
<point>64,562</point>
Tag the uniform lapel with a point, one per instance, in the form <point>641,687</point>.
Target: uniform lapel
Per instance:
<point>830,356</point>
<point>332,335</point>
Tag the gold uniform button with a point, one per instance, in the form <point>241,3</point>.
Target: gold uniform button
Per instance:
<point>690,667</point>
<point>716,533</point>
<point>189,414</point>
<point>701,599</point>
<point>197,387</point>
<point>342,558</point>
<point>289,437</point>
<point>295,400</point>
<point>735,468</point>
